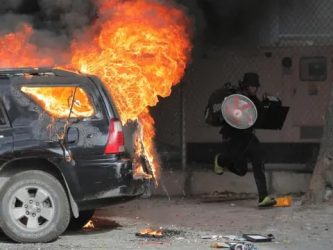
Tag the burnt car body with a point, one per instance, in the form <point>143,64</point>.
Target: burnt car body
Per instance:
<point>72,151</point>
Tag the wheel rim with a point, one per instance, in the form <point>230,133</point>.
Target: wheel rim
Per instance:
<point>32,208</point>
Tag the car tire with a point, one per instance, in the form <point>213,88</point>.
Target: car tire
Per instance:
<point>77,223</point>
<point>34,207</point>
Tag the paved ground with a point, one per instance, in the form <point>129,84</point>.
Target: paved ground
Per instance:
<point>188,220</point>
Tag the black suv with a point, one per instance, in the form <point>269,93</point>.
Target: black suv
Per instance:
<point>62,153</point>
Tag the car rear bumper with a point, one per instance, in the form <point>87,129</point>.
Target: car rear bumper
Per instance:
<point>119,185</point>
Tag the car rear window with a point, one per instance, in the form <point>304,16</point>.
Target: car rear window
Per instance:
<point>113,108</point>
<point>61,101</point>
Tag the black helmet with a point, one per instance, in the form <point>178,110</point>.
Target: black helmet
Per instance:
<point>250,79</point>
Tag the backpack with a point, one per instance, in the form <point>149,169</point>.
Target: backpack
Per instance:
<point>213,114</point>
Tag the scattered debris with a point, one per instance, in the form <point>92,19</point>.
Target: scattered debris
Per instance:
<point>159,233</point>
<point>234,242</point>
<point>243,246</point>
<point>219,245</point>
<point>227,196</point>
<point>234,245</point>
<point>258,237</point>
<point>233,238</point>
<point>209,237</point>
<point>173,233</point>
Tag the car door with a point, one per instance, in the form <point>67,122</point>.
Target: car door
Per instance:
<point>85,129</point>
<point>86,142</point>
<point>6,137</point>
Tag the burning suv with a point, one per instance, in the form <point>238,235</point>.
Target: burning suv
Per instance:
<point>62,153</point>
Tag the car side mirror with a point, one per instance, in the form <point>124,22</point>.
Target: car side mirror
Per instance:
<point>72,135</point>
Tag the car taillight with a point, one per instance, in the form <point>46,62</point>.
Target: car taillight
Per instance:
<point>115,142</point>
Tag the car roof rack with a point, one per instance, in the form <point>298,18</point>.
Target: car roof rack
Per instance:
<point>22,72</point>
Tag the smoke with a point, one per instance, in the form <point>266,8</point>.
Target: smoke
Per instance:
<point>11,16</point>
<point>65,16</point>
<point>233,21</point>
<point>10,5</point>
<point>10,22</point>
<point>55,22</point>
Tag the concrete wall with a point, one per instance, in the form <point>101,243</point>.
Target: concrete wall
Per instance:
<point>197,183</point>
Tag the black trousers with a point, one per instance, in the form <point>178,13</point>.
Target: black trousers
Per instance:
<point>237,150</point>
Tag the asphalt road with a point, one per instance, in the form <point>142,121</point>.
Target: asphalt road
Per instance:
<point>187,221</point>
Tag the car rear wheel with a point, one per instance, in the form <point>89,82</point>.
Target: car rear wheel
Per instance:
<point>34,207</point>
<point>78,223</point>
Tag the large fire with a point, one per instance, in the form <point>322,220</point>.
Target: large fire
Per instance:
<point>62,102</point>
<point>17,51</point>
<point>139,48</point>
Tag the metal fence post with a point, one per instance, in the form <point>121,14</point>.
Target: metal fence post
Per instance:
<point>183,127</point>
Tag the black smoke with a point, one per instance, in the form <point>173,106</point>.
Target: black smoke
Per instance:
<point>233,21</point>
<point>53,20</point>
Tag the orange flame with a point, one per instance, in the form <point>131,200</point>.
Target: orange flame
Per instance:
<point>140,51</point>
<point>89,225</point>
<point>285,201</point>
<point>151,232</point>
<point>57,101</point>
<point>139,48</point>
<point>17,51</point>
<point>144,146</point>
